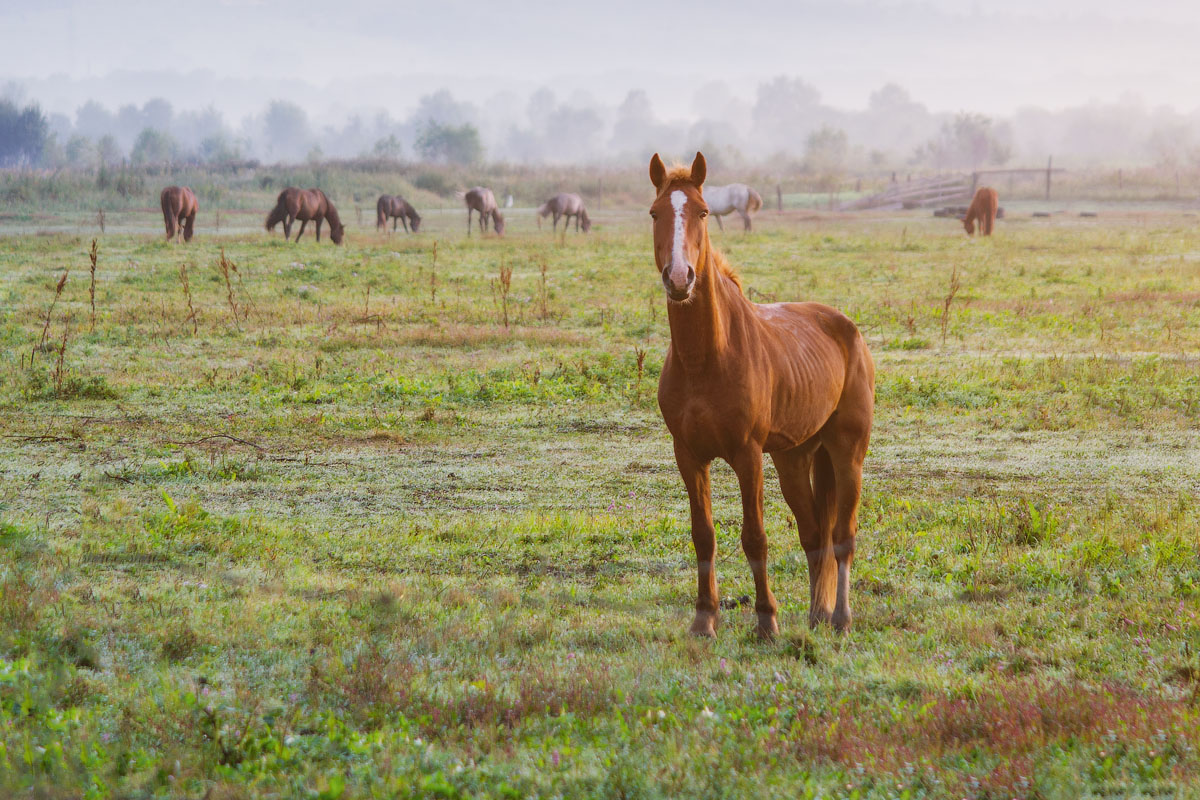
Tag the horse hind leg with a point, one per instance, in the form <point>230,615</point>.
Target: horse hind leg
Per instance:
<point>846,440</point>
<point>806,480</point>
<point>303,225</point>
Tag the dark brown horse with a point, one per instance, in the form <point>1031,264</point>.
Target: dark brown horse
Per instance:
<point>565,205</point>
<point>482,200</point>
<point>982,209</point>
<point>391,205</point>
<point>179,207</point>
<point>305,205</point>
<point>741,379</point>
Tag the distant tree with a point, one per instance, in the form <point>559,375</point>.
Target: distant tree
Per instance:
<point>450,144</point>
<point>94,120</point>
<point>969,141</point>
<point>24,134</point>
<point>388,147</point>
<point>153,147</point>
<point>287,130</point>
<point>157,113</point>
<point>80,152</point>
<point>108,152</point>
<point>785,108</point>
<point>218,148</point>
<point>442,108</point>
<point>825,150</point>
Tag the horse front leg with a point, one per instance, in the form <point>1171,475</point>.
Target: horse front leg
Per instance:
<point>748,467</point>
<point>745,220</point>
<point>303,225</point>
<point>405,221</point>
<point>704,539</point>
<point>468,223</point>
<point>720,224</point>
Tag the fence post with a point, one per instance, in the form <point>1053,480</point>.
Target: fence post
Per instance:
<point>779,198</point>
<point>1049,165</point>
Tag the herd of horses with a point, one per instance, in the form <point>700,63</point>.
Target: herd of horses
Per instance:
<point>740,380</point>
<point>179,207</point>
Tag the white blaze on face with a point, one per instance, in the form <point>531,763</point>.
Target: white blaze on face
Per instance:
<point>678,259</point>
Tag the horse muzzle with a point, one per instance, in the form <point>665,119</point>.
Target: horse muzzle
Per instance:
<point>678,281</point>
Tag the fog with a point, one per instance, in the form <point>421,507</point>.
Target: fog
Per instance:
<point>878,84</point>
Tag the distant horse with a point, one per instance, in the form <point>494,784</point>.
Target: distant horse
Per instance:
<point>179,207</point>
<point>482,200</point>
<point>735,197</point>
<point>305,205</point>
<point>390,205</point>
<point>983,208</point>
<point>741,379</point>
<point>565,205</point>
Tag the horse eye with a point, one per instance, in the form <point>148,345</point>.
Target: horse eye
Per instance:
<point>703,214</point>
<point>653,215</point>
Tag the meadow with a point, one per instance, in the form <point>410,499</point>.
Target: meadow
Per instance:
<point>401,519</point>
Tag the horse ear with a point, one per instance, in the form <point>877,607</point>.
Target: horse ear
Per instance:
<point>658,172</point>
<point>699,169</point>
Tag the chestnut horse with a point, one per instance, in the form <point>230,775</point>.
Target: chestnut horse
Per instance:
<point>983,208</point>
<point>179,207</point>
<point>305,205</point>
<point>741,379</point>
<point>482,200</point>
<point>396,207</point>
<point>565,205</point>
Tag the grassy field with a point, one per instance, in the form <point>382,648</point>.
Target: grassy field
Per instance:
<point>373,521</point>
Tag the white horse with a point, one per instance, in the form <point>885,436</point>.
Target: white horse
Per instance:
<point>737,197</point>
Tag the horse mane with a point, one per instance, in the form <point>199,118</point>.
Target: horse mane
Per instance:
<point>679,172</point>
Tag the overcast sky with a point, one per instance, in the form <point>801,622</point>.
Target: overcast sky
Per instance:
<point>992,57</point>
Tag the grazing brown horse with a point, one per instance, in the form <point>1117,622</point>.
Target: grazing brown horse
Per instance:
<point>179,207</point>
<point>565,205</point>
<point>399,209</point>
<point>741,379</point>
<point>305,205</point>
<point>482,200</point>
<point>982,209</point>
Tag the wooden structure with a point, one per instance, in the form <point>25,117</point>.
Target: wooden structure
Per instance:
<point>939,192</point>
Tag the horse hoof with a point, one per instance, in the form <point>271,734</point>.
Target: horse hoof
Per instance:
<point>767,628</point>
<point>818,617</point>
<point>841,622</point>
<point>704,625</point>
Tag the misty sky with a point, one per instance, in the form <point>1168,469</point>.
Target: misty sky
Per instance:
<point>992,57</point>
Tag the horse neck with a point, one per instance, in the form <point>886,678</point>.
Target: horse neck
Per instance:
<point>700,327</point>
<point>331,214</point>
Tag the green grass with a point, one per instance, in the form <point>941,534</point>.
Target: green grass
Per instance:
<point>355,538</point>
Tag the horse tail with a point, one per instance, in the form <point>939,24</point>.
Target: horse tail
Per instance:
<point>825,513</point>
<point>380,214</point>
<point>169,213</point>
<point>754,203</point>
<point>824,496</point>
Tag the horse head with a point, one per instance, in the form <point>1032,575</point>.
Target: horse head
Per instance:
<point>498,223</point>
<point>585,221</point>
<point>337,232</point>
<point>415,222</point>
<point>680,225</point>
<point>969,225</point>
